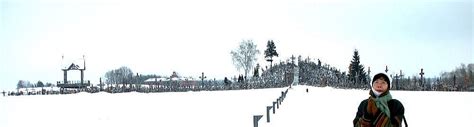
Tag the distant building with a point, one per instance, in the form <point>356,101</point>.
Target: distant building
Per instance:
<point>174,82</point>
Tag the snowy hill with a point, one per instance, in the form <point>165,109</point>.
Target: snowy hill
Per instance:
<point>319,107</point>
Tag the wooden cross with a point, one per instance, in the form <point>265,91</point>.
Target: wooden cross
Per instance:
<point>293,59</point>
<point>421,76</point>
<point>400,77</point>
<point>202,77</point>
<point>396,81</point>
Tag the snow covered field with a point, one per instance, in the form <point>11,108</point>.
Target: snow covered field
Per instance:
<point>337,108</point>
<point>319,107</point>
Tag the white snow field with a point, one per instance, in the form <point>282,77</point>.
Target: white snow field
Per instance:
<point>319,107</point>
<point>337,108</point>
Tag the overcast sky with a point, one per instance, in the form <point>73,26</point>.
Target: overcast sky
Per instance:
<point>190,37</point>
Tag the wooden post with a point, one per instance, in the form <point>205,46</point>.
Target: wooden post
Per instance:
<point>268,113</point>
<point>256,118</point>
<point>278,103</point>
<point>65,77</point>
<point>274,103</point>
<point>279,100</point>
<point>202,77</point>
<point>421,79</point>
<point>401,80</point>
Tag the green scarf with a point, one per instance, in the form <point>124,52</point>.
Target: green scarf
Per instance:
<point>382,103</point>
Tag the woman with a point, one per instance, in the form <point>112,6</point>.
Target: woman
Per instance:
<point>380,110</point>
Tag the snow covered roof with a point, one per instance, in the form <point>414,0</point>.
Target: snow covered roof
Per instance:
<point>156,79</point>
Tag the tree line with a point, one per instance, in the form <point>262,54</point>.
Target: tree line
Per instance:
<point>358,76</point>
<point>28,84</point>
<point>245,58</point>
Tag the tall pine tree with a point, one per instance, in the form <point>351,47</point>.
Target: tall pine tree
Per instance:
<point>357,73</point>
<point>270,52</point>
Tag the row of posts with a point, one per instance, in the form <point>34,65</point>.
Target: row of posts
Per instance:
<point>276,103</point>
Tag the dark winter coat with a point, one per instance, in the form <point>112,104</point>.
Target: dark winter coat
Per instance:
<point>397,112</point>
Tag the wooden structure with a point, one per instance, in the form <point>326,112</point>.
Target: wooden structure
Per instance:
<point>74,84</point>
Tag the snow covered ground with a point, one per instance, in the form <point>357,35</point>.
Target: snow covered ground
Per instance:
<point>337,108</point>
<point>319,107</point>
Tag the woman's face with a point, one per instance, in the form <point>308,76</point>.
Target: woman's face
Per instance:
<point>380,85</point>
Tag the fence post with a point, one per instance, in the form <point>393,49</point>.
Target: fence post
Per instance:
<point>268,113</point>
<point>256,118</point>
<point>274,107</point>
<point>280,99</point>
<point>278,103</point>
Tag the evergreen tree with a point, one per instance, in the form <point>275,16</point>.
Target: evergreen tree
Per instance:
<point>48,84</point>
<point>21,84</point>
<point>270,52</point>
<point>40,84</point>
<point>471,76</point>
<point>357,73</point>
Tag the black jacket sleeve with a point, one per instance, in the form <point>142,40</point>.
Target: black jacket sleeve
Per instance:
<point>397,111</point>
<point>360,111</point>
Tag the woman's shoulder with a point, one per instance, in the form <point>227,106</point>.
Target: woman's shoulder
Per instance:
<point>394,102</point>
<point>363,103</point>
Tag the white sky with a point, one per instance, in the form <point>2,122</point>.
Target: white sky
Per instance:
<point>190,37</point>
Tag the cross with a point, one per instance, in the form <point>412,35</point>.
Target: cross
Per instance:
<point>400,76</point>
<point>202,77</point>
<point>293,59</point>
<point>421,78</point>
<point>396,82</point>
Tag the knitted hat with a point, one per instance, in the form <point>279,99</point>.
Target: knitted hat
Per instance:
<point>381,75</point>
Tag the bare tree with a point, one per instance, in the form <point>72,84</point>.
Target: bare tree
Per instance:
<point>120,75</point>
<point>245,56</point>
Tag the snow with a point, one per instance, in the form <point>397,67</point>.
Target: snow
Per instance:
<point>319,107</point>
<point>156,79</point>
<point>337,107</point>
